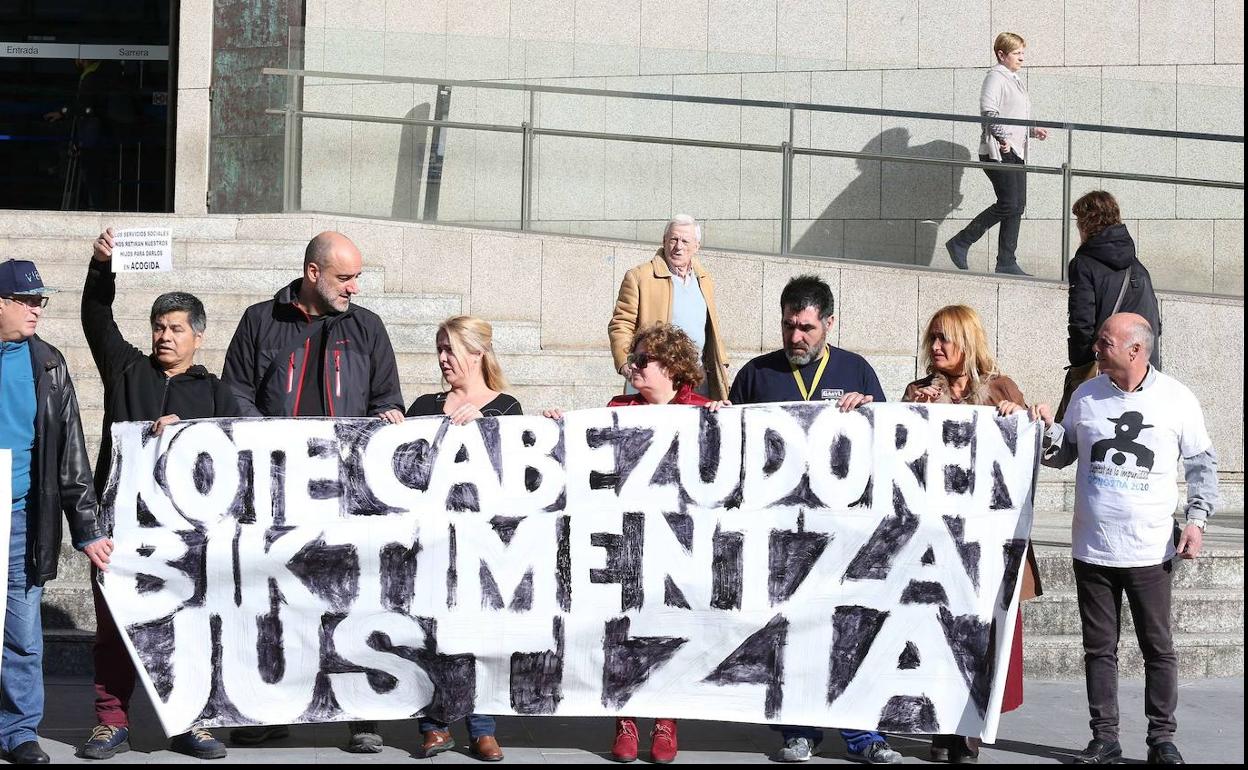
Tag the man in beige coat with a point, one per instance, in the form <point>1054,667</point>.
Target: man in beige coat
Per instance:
<point>673,288</point>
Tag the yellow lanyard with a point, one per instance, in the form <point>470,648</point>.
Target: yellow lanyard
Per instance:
<point>801,385</point>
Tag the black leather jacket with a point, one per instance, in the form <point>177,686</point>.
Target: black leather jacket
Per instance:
<point>59,466</point>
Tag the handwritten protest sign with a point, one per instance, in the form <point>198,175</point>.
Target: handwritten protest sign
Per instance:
<point>143,250</point>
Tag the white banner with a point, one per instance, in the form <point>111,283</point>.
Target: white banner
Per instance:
<point>781,563</point>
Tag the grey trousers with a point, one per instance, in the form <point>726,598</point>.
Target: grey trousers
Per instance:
<point>1147,590</point>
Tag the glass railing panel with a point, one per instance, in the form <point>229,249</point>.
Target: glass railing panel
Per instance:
<point>1212,99</point>
<point>417,173</point>
<point>622,189</point>
<point>900,209</point>
<point>1179,254</point>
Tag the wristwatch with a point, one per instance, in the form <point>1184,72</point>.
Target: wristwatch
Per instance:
<point>1200,523</point>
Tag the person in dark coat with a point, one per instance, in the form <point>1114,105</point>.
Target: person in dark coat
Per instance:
<point>312,352</point>
<point>162,387</point>
<point>1105,278</point>
<point>1096,274</point>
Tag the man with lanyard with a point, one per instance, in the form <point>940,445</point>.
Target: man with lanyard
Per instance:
<point>807,368</point>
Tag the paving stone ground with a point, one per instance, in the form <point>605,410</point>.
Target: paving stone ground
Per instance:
<point>1048,729</point>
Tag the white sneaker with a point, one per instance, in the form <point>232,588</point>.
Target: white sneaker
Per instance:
<point>796,750</point>
<point>878,753</point>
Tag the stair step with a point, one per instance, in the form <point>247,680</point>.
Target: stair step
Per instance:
<point>1200,656</point>
<point>414,336</point>
<point>1192,611</point>
<point>225,309</point>
<point>1216,568</point>
<point>263,281</point>
<point>67,652</point>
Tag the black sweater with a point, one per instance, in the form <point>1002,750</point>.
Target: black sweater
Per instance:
<point>135,385</point>
<point>1096,275</point>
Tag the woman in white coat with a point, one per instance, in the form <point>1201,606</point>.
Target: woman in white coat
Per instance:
<point>1002,95</point>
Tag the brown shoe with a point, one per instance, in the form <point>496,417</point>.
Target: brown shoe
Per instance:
<point>486,749</point>
<point>436,742</point>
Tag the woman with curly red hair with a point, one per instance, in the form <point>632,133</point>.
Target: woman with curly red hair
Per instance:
<point>664,366</point>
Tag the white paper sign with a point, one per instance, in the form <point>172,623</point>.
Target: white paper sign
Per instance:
<point>147,250</point>
<point>784,563</point>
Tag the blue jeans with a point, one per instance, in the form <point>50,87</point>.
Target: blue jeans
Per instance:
<point>856,741</point>
<point>21,672</point>
<point>478,725</point>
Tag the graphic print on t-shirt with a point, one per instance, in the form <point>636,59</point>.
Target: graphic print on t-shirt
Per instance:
<point>1127,429</point>
<point>1109,468</point>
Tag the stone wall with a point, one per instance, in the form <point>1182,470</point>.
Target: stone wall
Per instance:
<point>1160,64</point>
<point>568,286</point>
<point>550,298</point>
<point>246,157</point>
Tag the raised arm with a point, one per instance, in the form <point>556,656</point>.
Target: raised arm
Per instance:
<point>110,350</point>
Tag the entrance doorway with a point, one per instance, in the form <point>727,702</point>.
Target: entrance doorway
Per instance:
<point>86,122</point>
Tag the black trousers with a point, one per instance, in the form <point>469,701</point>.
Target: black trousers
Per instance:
<point>1011,190</point>
<point>1147,589</point>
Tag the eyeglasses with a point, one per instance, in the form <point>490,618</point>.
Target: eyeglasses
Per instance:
<point>640,360</point>
<point>29,300</point>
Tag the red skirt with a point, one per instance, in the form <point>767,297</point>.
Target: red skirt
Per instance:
<point>1013,697</point>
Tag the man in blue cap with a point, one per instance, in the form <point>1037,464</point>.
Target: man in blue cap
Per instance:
<point>50,475</point>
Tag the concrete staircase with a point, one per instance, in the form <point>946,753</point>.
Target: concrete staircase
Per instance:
<point>231,262</point>
<point>1207,607</point>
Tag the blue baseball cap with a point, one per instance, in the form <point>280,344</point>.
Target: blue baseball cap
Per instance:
<point>20,276</point>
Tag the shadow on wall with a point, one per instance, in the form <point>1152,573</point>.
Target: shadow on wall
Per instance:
<point>413,154</point>
<point>913,202</point>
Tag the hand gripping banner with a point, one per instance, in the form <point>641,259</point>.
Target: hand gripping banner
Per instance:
<point>780,563</point>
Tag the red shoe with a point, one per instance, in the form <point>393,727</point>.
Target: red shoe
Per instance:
<point>625,747</point>
<point>663,741</point>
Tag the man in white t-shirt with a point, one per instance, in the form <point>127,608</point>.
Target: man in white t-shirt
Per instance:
<point>1128,429</point>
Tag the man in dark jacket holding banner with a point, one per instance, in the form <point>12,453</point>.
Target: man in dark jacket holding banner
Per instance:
<point>41,427</point>
<point>309,352</point>
<point>161,387</point>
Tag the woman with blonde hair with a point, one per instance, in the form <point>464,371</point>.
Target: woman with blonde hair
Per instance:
<point>962,370</point>
<point>960,366</point>
<point>472,373</point>
<point>475,385</point>
<point>1003,95</point>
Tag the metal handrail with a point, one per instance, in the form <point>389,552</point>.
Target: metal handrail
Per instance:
<point>754,147</point>
<point>761,103</point>
<point>787,150</point>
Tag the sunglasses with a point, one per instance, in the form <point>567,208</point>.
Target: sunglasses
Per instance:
<point>640,360</point>
<point>29,300</point>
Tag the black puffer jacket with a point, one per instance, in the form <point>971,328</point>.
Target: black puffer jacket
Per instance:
<point>135,385</point>
<point>276,340</point>
<point>59,465</point>
<point>1096,275</point>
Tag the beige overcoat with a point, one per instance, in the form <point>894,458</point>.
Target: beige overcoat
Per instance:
<point>646,298</point>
